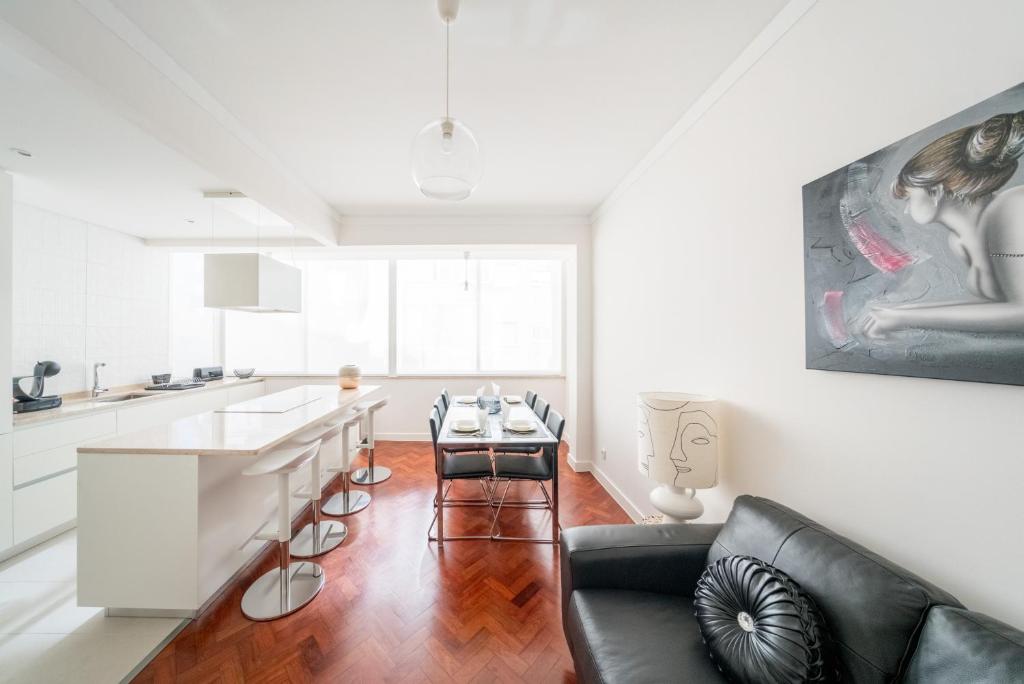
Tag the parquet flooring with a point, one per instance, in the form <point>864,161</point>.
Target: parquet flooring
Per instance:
<point>395,609</point>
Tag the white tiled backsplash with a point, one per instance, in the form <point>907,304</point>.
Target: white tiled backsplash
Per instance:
<point>84,293</point>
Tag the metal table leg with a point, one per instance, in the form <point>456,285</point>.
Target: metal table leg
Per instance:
<point>440,497</point>
<point>554,497</point>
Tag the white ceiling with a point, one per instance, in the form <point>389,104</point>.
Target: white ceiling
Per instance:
<point>91,164</point>
<point>564,96</point>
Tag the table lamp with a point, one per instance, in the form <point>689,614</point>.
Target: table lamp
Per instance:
<point>678,448</point>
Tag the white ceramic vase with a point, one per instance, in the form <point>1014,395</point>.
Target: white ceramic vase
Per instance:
<point>349,376</point>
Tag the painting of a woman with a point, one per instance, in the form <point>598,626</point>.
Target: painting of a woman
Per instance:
<point>914,254</point>
<point>955,182</point>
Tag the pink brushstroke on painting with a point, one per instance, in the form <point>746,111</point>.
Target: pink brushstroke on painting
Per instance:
<point>835,321</point>
<point>882,254</point>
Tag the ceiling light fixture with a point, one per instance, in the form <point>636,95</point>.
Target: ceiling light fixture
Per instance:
<point>446,159</point>
<point>248,281</point>
<point>23,153</point>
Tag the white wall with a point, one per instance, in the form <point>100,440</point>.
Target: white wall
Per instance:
<point>85,293</point>
<point>406,416</point>
<point>510,230</point>
<point>698,286</point>
<point>6,300</point>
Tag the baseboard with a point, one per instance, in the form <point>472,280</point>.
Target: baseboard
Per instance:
<point>579,466</point>
<point>403,436</point>
<point>631,509</point>
<point>41,538</point>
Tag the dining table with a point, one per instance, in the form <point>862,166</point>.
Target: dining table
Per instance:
<point>492,437</point>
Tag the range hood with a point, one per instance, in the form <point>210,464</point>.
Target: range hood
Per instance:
<point>251,282</point>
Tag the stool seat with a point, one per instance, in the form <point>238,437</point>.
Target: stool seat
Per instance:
<point>290,586</point>
<point>324,432</point>
<point>286,460</point>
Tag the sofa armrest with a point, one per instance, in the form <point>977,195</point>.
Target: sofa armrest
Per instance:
<point>666,559</point>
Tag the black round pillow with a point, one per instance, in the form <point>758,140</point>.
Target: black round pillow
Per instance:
<point>759,625</point>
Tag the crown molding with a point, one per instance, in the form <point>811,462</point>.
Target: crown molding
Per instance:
<point>786,19</point>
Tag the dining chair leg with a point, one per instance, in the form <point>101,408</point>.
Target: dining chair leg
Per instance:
<point>497,513</point>
<point>440,538</point>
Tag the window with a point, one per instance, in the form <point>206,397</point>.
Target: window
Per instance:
<point>488,315</point>
<point>479,315</point>
<point>346,315</point>
<point>344,319</point>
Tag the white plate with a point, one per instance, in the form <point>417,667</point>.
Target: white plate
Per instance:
<point>522,425</point>
<point>465,425</point>
<point>465,401</point>
<point>513,399</point>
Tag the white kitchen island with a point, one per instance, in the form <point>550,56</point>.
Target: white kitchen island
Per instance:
<point>165,517</point>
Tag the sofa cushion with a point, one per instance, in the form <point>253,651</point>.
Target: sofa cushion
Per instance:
<point>637,637</point>
<point>759,625</point>
<point>957,645</point>
<point>874,608</point>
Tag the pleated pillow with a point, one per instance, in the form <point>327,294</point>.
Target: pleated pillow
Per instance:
<point>759,626</point>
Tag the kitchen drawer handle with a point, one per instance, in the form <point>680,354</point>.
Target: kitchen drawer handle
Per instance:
<point>44,478</point>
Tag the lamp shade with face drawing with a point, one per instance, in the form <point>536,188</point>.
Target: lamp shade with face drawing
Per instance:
<point>678,448</point>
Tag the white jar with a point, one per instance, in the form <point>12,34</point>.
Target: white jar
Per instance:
<point>349,376</point>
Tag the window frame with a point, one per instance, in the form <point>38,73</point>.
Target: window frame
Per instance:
<point>563,254</point>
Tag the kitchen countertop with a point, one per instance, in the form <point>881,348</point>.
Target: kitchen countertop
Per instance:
<point>244,429</point>
<point>73,408</point>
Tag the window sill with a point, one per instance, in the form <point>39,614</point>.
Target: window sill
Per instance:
<point>414,376</point>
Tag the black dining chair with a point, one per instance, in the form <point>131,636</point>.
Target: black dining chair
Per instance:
<point>446,398</point>
<point>539,468</point>
<point>442,408</point>
<point>460,465</point>
<point>530,398</point>
<point>541,408</point>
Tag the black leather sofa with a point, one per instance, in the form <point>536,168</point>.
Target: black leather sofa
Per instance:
<point>627,603</point>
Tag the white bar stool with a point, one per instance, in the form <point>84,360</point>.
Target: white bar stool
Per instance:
<point>290,586</point>
<point>348,501</point>
<point>319,536</point>
<point>370,475</point>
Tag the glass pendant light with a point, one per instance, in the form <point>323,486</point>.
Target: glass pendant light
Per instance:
<point>446,159</point>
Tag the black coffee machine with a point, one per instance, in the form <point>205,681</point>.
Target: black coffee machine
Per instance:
<point>34,400</point>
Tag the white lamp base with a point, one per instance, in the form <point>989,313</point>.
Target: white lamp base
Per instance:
<point>676,504</point>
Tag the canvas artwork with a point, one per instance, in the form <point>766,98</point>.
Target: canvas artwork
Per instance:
<point>914,255</point>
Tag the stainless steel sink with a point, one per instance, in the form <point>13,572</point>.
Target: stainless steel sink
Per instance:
<point>122,397</point>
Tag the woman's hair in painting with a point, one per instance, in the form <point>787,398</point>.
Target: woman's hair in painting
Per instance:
<point>969,163</point>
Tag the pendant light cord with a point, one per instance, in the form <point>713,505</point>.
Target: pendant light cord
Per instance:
<point>259,225</point>
<point>447,66</point>
<point>216,329</point>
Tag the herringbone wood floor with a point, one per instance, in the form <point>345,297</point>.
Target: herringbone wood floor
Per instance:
<point>395,608</point>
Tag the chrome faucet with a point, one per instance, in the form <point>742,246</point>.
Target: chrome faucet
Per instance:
<point>96,389</point>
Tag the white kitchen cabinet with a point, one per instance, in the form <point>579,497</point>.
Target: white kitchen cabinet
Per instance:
<point>45,506</point>
<point>43,489</point>
<point>38,463</point>
<point>6,289</point>
<point>6,486</point>
<point>33,439</point>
